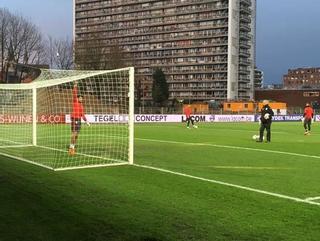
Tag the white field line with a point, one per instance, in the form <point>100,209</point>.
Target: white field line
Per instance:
<point>89,166</point>
<point>219,129</point>
<point>247,167</point>
<point>118,162</point>
<point>15,142</point>
<point>14,146</point>
<point>277,195</point>
<point>230,147</point>
<point>79,153</point>
<point>312,198</point>
<point>26,160</point>
<point>65,151</point>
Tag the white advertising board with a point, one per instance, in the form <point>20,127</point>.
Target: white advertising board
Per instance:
<point>99,118</point>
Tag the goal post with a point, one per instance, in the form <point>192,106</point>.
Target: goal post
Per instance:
<point>41,121</point>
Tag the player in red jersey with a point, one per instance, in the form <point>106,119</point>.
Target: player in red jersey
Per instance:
<point>307,118</point>
<point>76,116</point>
<point>187,111</point>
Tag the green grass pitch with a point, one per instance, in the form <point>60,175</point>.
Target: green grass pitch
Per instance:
<point>211,183</point>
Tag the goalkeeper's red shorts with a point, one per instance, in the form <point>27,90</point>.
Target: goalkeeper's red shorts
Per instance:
<point>75,124</point>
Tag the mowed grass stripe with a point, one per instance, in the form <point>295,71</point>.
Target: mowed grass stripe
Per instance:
<point>230,147</point>
<point>296,199</point>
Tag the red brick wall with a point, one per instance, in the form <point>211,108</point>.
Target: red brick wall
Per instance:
<point>293,98</point>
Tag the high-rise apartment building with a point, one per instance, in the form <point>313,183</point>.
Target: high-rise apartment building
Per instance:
<point>206,48</point>
<point>258,78</point>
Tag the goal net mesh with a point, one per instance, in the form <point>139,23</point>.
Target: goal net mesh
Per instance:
<point>39,123</point>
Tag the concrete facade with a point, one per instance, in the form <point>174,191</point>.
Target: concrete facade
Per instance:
<point>206,48</point>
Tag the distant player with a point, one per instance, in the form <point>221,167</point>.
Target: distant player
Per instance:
<point>187,111</point>
<point>76,115</point>
<point>265,121</point>
<point>307,118</point>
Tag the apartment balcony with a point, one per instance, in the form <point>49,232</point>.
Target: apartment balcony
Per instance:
<point>245,28</point>
<point>244,45</point>
<point>182,72</point>
<point>216,81</point>
<point>244,80</point>
<point>151,40</point>
<point>245,10</point>
<point>143,29</point>
<point>243,53</point>
<point>177,55</point>
<point>196,89</point>
<point>244,62</point>
<point>245,36</point>
<point>247,2</point>
<point>244,71</point>
<point>244,87</point>
<point>245,18</point>
<point>169,47</point>
<point>137,7</point>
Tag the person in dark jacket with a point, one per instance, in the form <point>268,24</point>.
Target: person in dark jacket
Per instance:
<point>265,121</point>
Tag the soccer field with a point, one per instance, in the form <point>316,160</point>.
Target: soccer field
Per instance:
<point>206,184</point>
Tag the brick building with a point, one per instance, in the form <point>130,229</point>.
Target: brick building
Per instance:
<point>293,97</point>
<point>302,78</point>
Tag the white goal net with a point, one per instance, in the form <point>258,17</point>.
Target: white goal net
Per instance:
<point>69,119</point>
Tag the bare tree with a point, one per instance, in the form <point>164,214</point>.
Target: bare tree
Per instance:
<point>20,40</point>
<point>59,53</point>
<point>24,43</point>
<point>4,20</point>
<point>92,53</point>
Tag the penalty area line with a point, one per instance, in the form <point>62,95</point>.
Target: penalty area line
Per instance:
<point>277,195</point>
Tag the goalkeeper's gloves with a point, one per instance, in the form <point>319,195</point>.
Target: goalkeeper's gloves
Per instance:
<point>302,119</point>
<point>312,120</point>
<point>88,123</point>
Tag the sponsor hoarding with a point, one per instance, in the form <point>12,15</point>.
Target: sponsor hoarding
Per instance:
<point>283,118</point>
<point>165,118</point>
<point>113,118</point>
<point>20,119</point>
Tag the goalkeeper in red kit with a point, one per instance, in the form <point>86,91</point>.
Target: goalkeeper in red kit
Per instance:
<point>187,111</point>
<point>307,119</point>
<point>76,116</point>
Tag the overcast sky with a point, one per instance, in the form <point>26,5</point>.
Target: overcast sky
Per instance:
<point>53,17</point>
<point>288,31</point>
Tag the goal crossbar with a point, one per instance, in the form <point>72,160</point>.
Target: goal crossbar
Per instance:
<point>41,82</point>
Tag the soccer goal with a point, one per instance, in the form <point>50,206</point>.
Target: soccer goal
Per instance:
<point>69,119</point>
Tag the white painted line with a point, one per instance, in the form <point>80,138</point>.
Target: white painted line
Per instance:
<point>89,166</point>
<point>247,167</point>
<point>230,147</point>
<point>86,155</point>
<point>312,198</point>
<point>14,142</point>
<point>25,160</point>
<point>14,146</point>
<point>115,161</point>
<point>295,199</point>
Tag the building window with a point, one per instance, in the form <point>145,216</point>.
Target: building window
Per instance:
<point>311,94</point>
